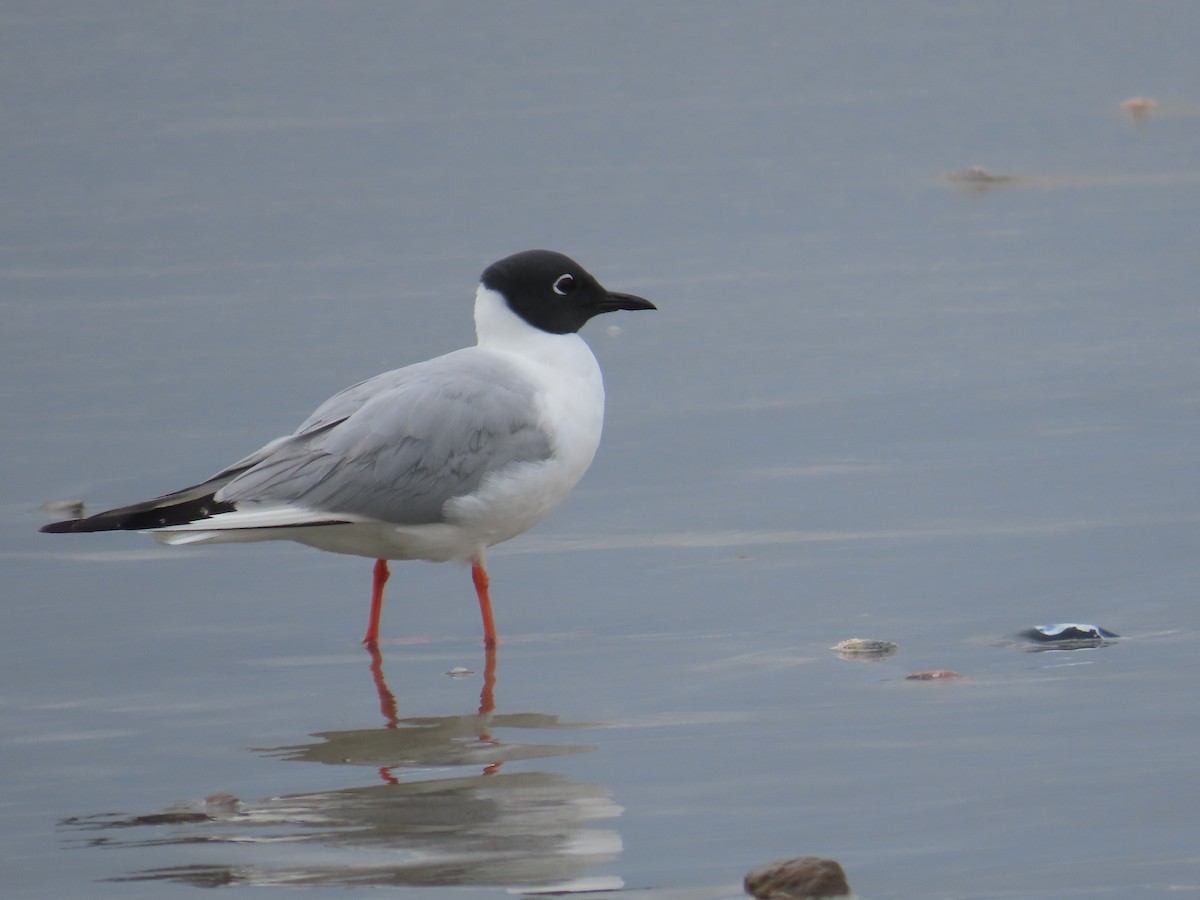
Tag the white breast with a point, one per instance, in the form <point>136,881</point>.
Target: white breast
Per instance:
<point>570,397</point>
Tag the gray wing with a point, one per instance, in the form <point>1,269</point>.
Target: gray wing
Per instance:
<point>398,446</point>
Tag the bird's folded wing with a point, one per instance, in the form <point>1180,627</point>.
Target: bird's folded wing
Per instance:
<point>397,447</point>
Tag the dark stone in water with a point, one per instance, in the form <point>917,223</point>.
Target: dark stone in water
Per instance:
<point>799,878</point>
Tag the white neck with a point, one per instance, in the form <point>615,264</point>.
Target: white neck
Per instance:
<point>498,328</point>
<point>562,365</point>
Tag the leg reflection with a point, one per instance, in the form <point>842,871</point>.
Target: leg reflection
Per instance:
<point>389,708</point>
<point>387,700</point>
<point>487,700</point>
<point>487,703</point>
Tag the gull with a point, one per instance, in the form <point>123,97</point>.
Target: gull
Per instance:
<point>438,460</point>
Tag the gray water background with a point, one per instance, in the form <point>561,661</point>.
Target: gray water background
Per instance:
<point>872,404</point>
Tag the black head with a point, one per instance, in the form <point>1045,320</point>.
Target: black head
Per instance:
<point>552,292</point>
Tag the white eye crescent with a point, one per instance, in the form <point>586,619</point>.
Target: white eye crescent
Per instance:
<point>563,285</point>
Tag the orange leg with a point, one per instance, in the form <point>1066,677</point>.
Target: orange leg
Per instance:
<point>480,576</point>
<point>371,638</point>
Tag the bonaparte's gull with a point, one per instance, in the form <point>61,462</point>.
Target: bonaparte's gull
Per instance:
<point>437,460</point>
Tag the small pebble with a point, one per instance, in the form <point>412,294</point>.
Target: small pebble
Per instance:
<point>1138,107</point>
<point>864,648</point>
<point>69,509</point>
<point>932,675</point>
<point>800,878</point>
<point>460,672</point>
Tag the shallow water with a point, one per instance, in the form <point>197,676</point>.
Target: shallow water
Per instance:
<point>874,403</point>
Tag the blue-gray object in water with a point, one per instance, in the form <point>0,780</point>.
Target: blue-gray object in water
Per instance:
<point>1067,631</point>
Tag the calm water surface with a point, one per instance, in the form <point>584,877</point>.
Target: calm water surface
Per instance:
<point>872,404</point>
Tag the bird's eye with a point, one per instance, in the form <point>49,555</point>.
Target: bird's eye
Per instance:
<point>563,285</point>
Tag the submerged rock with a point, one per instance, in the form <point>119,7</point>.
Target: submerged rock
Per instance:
<point>933,675</point>
<point>799,878</point>
<point>977,178</point>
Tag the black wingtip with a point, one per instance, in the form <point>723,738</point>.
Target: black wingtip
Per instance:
<point>143,517</point>
<point>98,522</point>
<point>61,527</point>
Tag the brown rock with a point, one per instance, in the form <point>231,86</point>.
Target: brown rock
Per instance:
<point>799,878</point>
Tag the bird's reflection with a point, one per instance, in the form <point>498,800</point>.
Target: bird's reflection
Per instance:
<point>420,743</point>
<point>417,826</point>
